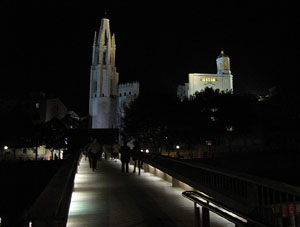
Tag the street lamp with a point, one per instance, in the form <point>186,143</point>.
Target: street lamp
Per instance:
<point>177,153</point>
<point>5,149</point>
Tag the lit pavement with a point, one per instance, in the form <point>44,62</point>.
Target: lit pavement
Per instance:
<point>109,197</point>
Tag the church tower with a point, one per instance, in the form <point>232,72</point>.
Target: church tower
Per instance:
<point>104,79</point>
<point>223,64</point>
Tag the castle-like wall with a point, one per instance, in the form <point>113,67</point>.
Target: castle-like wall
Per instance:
<point>127,93</point>
<point>129,89</point>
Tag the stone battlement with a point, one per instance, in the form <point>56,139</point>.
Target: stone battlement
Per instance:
<point>130,84</point>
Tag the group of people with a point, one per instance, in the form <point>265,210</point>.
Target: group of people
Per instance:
<point>93,151</point>
<point>131,150</point>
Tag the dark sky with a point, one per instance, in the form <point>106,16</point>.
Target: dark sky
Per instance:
<point>47,45</point>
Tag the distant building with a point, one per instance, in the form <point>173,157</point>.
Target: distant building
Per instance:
<point>107,97</point>
<point>199,81</point>
<point>42,109</point>
<point>37,107</point>
<point>17,113</point>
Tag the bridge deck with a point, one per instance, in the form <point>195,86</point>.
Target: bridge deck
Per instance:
<point>111,198</point>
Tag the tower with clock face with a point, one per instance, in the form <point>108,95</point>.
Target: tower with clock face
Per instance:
<point>221,81</point>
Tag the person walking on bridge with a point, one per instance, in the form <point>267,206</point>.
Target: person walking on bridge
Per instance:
<point>137,157</point>
<point>94,150</point>
<point>125,158</point>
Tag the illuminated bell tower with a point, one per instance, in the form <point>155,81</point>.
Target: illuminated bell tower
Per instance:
<point>223,64</point>
<point>104,79</point>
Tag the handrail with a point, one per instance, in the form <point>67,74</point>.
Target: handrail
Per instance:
<point>265,200</point>
<point>196,197</point>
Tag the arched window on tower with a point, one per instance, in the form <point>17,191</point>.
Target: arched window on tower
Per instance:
<point>105,39</point>
<point>104,58</point>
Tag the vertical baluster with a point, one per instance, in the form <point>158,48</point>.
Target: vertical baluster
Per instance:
<point>246,185</point>
<point>239,188</point>
<point>197,215</point>
<point>205,217</point>
<point>268,202</point>
<point>292,211</point>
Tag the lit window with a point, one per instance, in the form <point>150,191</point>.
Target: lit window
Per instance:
<point>37,105</point>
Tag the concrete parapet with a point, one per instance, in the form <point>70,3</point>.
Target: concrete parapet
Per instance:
<point>175,182</point>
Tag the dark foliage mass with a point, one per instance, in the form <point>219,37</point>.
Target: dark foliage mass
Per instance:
<point>209,115</point>
<point>18,131</point>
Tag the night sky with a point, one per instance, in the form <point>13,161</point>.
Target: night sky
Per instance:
<point>47,46</point>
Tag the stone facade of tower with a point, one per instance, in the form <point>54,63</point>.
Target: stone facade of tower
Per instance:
<point>104,79</point>
<point>199,81</point>
<point>107,97</point>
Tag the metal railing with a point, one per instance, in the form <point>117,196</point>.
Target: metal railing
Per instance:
<point>266,201</point>
<point>209,204</point>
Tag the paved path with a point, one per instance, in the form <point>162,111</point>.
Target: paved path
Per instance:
<point>110,198</point>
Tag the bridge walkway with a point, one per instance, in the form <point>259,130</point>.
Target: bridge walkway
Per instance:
<point>110,198</point>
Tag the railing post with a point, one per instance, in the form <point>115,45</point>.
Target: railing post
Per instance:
<point>205,217</point>
<point>197,215</point>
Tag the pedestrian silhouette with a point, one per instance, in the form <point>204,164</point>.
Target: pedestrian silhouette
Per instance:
<point>94,150</point>
<point>125,158</point>
<point>137,157</point>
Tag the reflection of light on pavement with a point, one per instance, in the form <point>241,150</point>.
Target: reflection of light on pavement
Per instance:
<point>82,203</point>
<point>94,203</point>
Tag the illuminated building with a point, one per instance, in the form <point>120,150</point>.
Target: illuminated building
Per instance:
<point>107,96</point>
<point>199,81</point>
